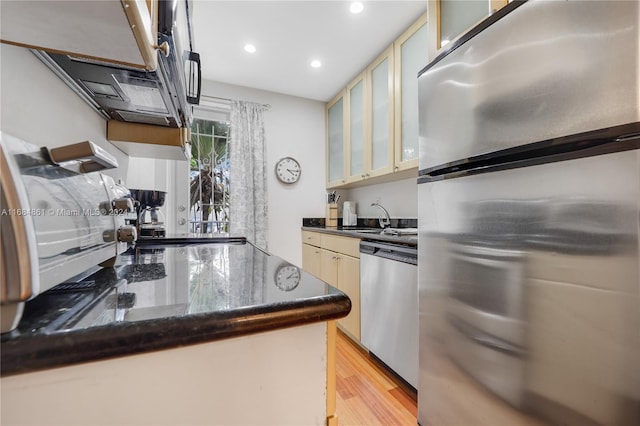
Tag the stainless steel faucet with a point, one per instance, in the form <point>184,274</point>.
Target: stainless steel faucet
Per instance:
<point>384,221</point>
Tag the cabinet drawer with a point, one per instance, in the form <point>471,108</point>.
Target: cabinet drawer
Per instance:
<point>345,245</point>
<point>311,238</point>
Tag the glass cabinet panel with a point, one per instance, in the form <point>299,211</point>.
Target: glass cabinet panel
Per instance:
<point>381,111</point>
<point>380,104</point>
<point>457,16</point>
<point>335,118</point>
<point>412,56</point>
<point>356,132</point>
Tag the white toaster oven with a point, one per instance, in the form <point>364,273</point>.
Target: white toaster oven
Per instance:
<point>59,217</point>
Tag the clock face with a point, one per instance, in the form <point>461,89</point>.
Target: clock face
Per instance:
<point>288,170</point>
<point>287,277</point>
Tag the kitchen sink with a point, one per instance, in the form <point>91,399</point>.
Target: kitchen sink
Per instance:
<point>365,231</point>
<point>400,231</point>
<point>386,231</point>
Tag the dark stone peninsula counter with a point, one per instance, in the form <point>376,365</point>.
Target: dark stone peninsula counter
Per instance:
<point>167,295</point>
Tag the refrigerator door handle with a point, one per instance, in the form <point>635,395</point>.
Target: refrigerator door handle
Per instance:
<point>595,142</point>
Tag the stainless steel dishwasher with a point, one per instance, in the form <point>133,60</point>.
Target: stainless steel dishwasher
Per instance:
<point>389,305</point>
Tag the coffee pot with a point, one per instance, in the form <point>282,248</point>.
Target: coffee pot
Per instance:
<point>150,219</point>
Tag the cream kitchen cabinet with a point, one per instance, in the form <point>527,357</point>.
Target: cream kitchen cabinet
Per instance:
<point>122,32</point>
<point>311,259</point>
<point>336,260</point>
<point>369,140</point>
<point>410,51</point>
<point>343,272</point>
<point>366,144</point>
<point>372,124</point>
<point>369,121</point>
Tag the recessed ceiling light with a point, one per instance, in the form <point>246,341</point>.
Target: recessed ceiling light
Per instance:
<point>250,48</point>
<point>356,7</point>
<point>316,63</point>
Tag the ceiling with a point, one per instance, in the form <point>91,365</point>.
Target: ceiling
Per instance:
<point>288,35</point>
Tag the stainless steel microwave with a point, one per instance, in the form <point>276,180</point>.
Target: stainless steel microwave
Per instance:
<point>163,96</point>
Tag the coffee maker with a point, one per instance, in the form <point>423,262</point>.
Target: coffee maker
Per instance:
<point>150,219</point>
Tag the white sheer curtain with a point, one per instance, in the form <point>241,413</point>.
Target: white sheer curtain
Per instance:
<point>248,175</point>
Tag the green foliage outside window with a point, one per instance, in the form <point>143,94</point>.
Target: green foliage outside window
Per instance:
<point>209,176</point>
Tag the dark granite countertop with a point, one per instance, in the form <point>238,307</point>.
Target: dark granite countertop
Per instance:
<point>165,296</point>
<point>365,233</point>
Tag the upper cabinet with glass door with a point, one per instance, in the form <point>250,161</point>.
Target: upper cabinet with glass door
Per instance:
<point>378,134</point>
<point>455,17</point>
<point>336,135</point>
<point>411,55</point>
<point>357,135</point>
<point>379,159</point>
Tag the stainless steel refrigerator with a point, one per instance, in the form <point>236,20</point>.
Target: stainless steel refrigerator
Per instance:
<point>529,195</point>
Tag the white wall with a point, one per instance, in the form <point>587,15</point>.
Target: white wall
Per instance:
<point>39,108</point>
<point>400,198</point>
<point>294,127</point>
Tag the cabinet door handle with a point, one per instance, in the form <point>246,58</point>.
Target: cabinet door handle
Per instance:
<point>164,48</point>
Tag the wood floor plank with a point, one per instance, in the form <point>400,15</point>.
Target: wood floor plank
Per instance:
<point>405,400</point>
<point>365,393</point>
<point>344,387</point>
<point>361,364</point>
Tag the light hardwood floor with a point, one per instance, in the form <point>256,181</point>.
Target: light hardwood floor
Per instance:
<point>366,393</point>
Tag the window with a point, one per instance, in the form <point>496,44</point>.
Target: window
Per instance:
<point>209,177</point>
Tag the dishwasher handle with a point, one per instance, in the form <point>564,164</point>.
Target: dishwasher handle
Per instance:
<point>400,253</point>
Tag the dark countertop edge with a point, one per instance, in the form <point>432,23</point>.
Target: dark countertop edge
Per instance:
<point>142,242</point>
<point>362,236</point>
<point>28,354</point>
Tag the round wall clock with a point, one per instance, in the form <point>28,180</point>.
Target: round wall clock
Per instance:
<point>287,277</point>
<point>288,170</point>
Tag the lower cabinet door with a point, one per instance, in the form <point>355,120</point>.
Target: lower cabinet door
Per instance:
<point>329,267</point>
<point>349,283</point>
<point>311,259</point>
<point>342,272</point>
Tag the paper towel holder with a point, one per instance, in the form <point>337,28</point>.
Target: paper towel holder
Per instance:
<point>349,216</point>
